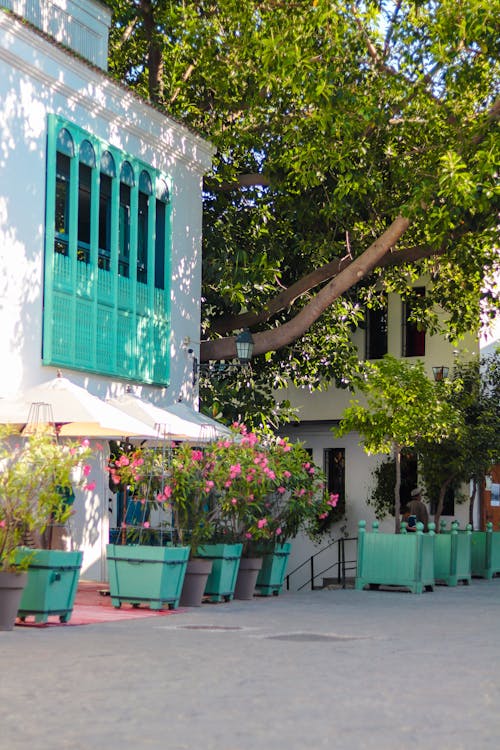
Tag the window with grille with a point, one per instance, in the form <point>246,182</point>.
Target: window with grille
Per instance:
<point>107,259</point>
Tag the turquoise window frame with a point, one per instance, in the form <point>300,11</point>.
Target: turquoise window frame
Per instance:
<point>95,319</point>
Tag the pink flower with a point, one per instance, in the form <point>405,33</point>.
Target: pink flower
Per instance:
<point>86,470</point>
<point>333,500</point>
<point>261,523</point>
<point>234,501</point>
<point>287,474</point>
<point>3,524</point>
<point>146,524</point>
<point>115,479</point>
<point>98,446</point>
<point>281,490</point>
<point>196,455</point>
<point>234,470</point>
<point>90,486</point>
<point>248,535</point>
<point>85,443</point>
<point>278,531</point>
<point>323,515</point>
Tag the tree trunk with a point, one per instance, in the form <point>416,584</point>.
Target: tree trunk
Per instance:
<point>440,502</point>
<point>471,501</point>
<point>397,487</point>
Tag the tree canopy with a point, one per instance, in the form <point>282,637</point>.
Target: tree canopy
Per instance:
<point>403,409</point>
<point>356,150</point>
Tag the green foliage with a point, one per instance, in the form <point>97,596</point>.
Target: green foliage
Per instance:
<point>474,391</point>
<point>36,476</point>
<point>382,492</point>
<point>252,488</point>
<point>402,408</point>
<point>368,111</point>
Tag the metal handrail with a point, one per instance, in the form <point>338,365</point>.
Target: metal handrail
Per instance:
<point>341,564</point>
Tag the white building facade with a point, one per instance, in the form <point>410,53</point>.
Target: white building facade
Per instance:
<point>348,468</point>
<point>100,226</point>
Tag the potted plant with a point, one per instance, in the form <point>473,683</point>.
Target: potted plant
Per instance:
<point>146,564</point>
<point>35,474</point>
<point>191,497</point>
<point>267,488</point>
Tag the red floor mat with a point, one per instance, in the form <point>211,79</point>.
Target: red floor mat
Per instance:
<point>92,607</point>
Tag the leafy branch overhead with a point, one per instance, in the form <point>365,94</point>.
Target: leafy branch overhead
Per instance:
<point>356,150</point>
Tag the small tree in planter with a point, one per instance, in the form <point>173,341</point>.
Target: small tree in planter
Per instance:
<point>35,475</point>
<point>403,408</point>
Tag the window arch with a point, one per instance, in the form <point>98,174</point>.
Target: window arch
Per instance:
<point>127,174</point>
<point>108,165</point>
<point>162,193</point>
<point>87,153</point>
<point>145,184</point>
<point>65,142</point>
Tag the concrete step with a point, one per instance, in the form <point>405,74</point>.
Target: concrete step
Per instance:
<point>332,583</point>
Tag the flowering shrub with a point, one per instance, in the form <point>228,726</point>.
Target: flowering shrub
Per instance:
<point>36,474</point>
<point>269,489</point>
<point>248,488</point>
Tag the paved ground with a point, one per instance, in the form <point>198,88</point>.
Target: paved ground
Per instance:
<point>325,669</point>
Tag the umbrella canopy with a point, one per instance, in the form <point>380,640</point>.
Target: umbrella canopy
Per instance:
<point>187,425</point>
<point>75,411</point>
<point>186,412</point>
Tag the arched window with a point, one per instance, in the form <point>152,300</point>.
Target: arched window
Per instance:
<point>86,158</point>
<point>162,198</point>
<point>127,181</point>
<point>145,190</point>
<point>104,208</point>
<point>65,147</point>
<point>108,172</point>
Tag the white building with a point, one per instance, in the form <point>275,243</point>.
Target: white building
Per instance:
<point>348,468</point>
<point>100,226</point>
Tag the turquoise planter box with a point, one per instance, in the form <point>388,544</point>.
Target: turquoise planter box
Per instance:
<point>52,583</point>
<point>226,562</point>
<point>486,552</point>
<point>405,560</point>
<point>453,555</point>
<point>141,574</point>
<point>272,574</point>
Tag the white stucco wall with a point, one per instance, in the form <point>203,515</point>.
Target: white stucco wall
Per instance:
<point>37,78</point>
<point>316,408</point>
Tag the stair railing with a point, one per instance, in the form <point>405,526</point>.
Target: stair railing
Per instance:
<point>342,565</point>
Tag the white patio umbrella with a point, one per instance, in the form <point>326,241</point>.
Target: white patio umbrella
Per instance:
<point>74,411</point>
<point>180,409</point>
<point>188,425</point>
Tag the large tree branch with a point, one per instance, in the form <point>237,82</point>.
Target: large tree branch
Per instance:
<point>277,338</point>
<point>287,297</point>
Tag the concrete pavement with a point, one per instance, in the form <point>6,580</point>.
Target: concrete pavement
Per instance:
<point>338,669</point>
